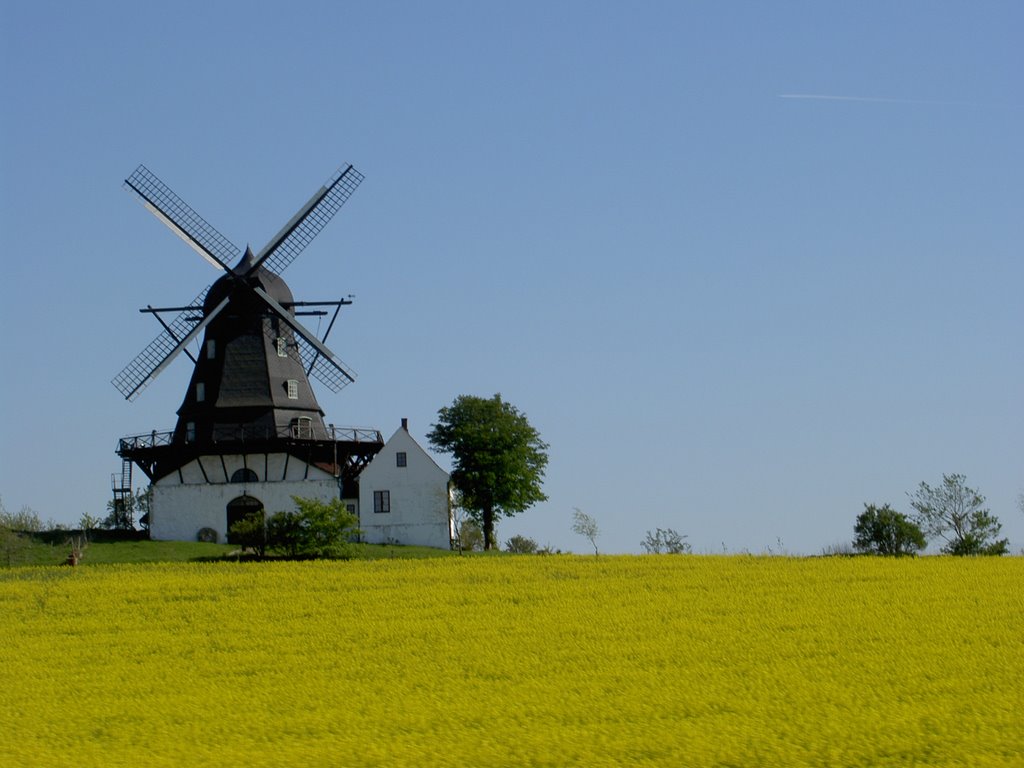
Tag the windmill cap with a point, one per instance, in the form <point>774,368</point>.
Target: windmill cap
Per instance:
<point>228,283</point>
<point>248,259</point>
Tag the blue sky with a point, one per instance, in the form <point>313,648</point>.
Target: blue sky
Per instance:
<point>729,311</point>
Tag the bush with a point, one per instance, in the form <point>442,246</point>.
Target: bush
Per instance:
<point>469,537</point>
<point>25,521</point>
<point>250,533</point>
<point>316,529</point>
<point>284,533</point>
<point>521,545</point>
<point>666,540</point>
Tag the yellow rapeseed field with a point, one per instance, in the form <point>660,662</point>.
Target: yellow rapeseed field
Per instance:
<point>518,661</point>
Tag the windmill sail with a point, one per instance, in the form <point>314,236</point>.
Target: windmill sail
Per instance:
<point>134,377</point>
<point>329,371</point>
<point>316,357</point>
<point>182,220</point>
<point>307,223</point>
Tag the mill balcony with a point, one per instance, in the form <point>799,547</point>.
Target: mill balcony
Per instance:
<point>346,450</point>
<point>249,434</point>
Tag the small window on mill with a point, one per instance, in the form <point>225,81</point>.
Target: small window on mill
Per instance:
<point>401,459</point>
<point>293,389</point>
<point>244,475</point>
<point>302,428</point>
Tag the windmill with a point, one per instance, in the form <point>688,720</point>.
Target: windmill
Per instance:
<point>249,415</point>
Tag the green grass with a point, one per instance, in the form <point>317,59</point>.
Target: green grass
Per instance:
<point>53,548</point>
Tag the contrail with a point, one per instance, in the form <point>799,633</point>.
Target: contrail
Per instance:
<point>882,100</point>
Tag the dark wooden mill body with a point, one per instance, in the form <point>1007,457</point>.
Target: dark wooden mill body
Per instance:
<point>250,392</point>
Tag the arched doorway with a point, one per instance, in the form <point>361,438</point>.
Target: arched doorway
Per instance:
<point>240,507</point>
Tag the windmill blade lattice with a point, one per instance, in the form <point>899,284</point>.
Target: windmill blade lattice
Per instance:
<point>317,358</point>
<point>307,223</point>
<point>134,377</point>
<point>183,220</point>
<point>330,372</point>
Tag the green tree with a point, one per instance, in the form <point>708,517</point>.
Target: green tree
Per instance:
<point>24,521</point>
<point>521,545</point>
<point>89,523</point>
<point>315,529</point>
<point>956,513</point>
<point>665,540</point>
<point>586,526</point>
<point>884,531</point>
<point>469,537</point>
<point>122,513</point>
<point>498,458</point>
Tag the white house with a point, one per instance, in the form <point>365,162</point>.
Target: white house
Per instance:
<point>404,496</point>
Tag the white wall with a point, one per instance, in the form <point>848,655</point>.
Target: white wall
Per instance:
<point>419,497</point>
<point>181,506</point>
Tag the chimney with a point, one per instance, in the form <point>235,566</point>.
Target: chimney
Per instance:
<point>405,424</point>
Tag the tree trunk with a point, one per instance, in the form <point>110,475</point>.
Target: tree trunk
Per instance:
<point>488,527</point>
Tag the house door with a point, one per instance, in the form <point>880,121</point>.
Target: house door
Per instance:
<point>239,507</point>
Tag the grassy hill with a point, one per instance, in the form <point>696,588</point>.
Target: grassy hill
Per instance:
<point>104,547</point>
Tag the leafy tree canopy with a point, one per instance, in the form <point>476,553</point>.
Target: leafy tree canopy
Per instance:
<point>884,531</point>
<point>498,458</point>
<point>956,513</point>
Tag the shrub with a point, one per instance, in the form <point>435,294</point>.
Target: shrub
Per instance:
<point>521,545</point>
<point>316,529</point>
<point>25,521</point>
<point>250,533</point>
<point>666,540</point>
<point>469,537</point>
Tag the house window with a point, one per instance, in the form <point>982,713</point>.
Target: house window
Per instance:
<point>211,349</point>
<point>293,389</point>
<point>200,391</point>
<point>190,432</point>
<point>351,508</point>
<point>400,459</point>
<point>381,501</point>
<point>282,346</point>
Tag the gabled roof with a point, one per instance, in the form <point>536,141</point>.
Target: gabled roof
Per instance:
<point>402,440</point>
